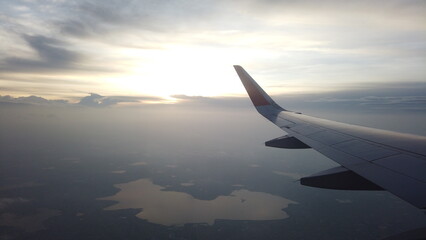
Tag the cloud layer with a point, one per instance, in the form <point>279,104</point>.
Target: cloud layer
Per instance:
<point>93,100</point>
<point>370,98</point>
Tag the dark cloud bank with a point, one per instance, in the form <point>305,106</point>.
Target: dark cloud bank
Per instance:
<point>51,53</point>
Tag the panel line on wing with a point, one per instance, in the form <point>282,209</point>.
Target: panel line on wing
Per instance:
<point>330,137</point>
<point>364,150</point>
<point>412,166</point>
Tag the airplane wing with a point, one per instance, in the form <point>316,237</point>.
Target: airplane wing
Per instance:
<point>370,159</point>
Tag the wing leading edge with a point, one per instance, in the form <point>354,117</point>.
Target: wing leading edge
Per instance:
<point>370,159</point>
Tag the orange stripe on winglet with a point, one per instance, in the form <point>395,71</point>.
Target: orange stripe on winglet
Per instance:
<point>255,95</point>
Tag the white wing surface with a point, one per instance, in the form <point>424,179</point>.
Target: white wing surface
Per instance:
<point>370,159</point>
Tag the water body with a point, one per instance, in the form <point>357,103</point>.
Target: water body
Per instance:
<point>177,208</point>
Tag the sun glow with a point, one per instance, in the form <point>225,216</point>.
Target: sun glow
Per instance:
<point>188,70</point>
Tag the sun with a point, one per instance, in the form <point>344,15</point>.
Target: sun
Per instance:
<point>187,70</point>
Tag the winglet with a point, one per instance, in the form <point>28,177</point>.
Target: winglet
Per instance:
<point>255,92</point>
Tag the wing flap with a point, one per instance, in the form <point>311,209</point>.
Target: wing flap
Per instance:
<point>339,178</point>
<point>286,141</point>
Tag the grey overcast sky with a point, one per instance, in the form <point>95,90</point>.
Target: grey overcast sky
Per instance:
<point>61,49</point>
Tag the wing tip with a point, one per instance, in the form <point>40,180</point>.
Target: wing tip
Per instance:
<point>257,95</point>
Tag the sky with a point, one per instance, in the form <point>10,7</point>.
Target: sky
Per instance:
<point>165,51</point>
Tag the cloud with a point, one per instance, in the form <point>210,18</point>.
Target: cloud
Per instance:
<point>223,102</point>
<point>32,100</point>
<point>401,96</point>
<point>94,18</point>
<point>96,100</point>
<point>398,96</point>
<point>413,103</point>
<point>93,100</point>
<point>52,54</point>
<point>75,28</point>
